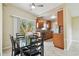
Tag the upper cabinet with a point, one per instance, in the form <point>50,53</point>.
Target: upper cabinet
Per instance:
<point>42,23</point>
<point>60,17</point>
<point>49,23</point>
<point>39,23</point>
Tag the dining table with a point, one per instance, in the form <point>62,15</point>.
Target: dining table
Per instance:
<point>27,42</point>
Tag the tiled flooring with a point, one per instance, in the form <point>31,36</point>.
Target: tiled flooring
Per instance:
<point>50,50</point>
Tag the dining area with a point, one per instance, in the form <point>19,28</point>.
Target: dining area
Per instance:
<point>31,45</point>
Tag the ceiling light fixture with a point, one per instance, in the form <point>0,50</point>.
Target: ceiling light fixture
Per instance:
<point>33,6</point>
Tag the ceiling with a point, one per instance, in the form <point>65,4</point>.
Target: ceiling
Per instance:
<point>38,11</point>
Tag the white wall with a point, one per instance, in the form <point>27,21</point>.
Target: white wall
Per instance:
<point>8,11</point>
<point>68,26</point>
<point>0,28</point>
<point>75,29</point>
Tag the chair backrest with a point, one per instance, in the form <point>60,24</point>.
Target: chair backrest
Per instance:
<point>12,42</point>
<point>21,39</point>
<point>18,35</point>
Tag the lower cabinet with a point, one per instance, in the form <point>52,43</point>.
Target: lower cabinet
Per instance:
<point>58,40</point>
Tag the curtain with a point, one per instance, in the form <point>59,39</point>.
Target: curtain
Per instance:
<point>23,26</point>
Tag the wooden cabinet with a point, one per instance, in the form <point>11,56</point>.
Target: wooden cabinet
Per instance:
<point>58,38</point>
<point>39,23</point>
<point>49,23</point>
<point>58,41</point>
<point>48,34</point>
<point>60,18</point>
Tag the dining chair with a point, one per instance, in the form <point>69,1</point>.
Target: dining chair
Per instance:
<point>22,43</point>
<point>15,49</point>
<point>19,35</point>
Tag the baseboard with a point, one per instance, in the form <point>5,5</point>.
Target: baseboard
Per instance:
<point>69,45</point>
<point>6,48</point>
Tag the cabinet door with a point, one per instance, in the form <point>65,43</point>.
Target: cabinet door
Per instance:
<point>60,17</point>
<point>39,23</point>
<point>58,41</point>
<point>49,24</point>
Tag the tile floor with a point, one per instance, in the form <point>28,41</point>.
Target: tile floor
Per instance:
<point>50,50</point>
